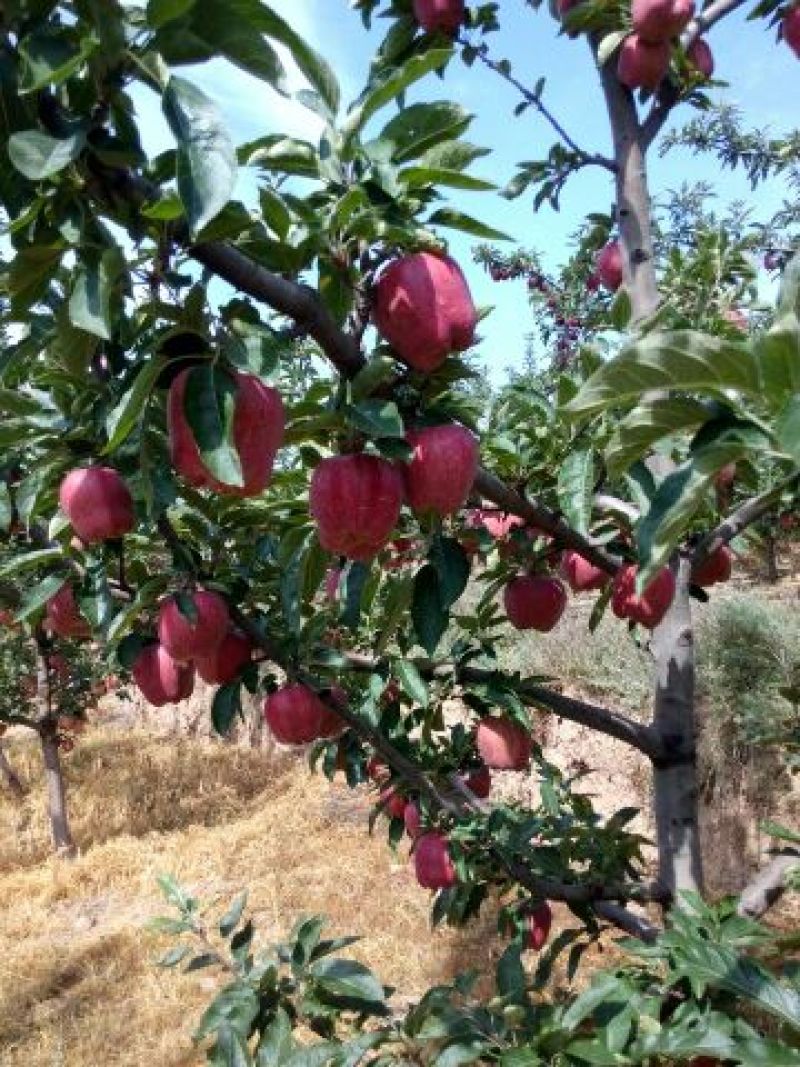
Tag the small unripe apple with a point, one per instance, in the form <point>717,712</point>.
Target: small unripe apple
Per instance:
<point>715,568</point>
<point>503,745</point>
<point>439,16</point>
<point>294,715</point>
<point>62,616</point>
<point>424,309</point>
<point>658,21</point>
<point>537,927</point>
<point>442,469</point>
<point>479,782</point>
<point>642,65</point>
<point>227,661</point>
<point>356,501</point>
<point>258,427</point>
<point>432,863</point>
<point>608,266</point>
<point>534,602</point>
<point>98,504</point>
<point>581,575</point>
<point>393,803</point>
<point>790,28</point>
<point>185,639</point>
<point>160,678</point>
<point>412,820</point>
<point>648,609</point>
<point>701,57</point>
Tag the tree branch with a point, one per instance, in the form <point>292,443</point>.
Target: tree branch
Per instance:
<point>769,884</point>
<point>670,93</point>
<point>751,511</point>
<point>587,159</point>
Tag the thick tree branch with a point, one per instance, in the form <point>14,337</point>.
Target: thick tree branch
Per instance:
<point>670,93</point>
<point>769,884</point>
<point>635,925</point>
<point>749,513</point>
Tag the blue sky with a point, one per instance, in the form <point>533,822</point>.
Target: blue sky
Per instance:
<point>764,81</point>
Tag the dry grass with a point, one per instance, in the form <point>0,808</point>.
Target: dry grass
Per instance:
<point>77,981</point>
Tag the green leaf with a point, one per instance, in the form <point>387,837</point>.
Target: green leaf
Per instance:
<point>231,1049</point>
<point>377,418</point>
<point>90,303</point>
<point>452,567</point>
<point>576,488</point>
<point>347,980</point>
<point>789,296</point>
<point>429,616</point>
<point>778,355</point>
<point>230,920</point>
<point>676,500</point>
<point>125,415</point>
<point>160,12</point>
<point>635,435</point>
<point>621,310</point>
<point>209,404</point>
<point>420,127</point>
<point>396,82</point>
<point>49,58</point>
<point>608,46</point>
<point>416,177</point>
<point>787,428</point>
<point>456,220</point>
<point>39,595</point>
<point>511,978</point>
<point>206,157</point>
<point>227,704</point>
<point>412,682</point>
<point>31,560</point>
<point>276,1040</point>
<point>30,275</point>
<point>318,71</point>
<point>38,155</point>
<point>605,987</point>
<point>174,956</point>
<point>681,360</point>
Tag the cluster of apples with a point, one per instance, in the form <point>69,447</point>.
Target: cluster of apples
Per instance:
<point>645,54</point>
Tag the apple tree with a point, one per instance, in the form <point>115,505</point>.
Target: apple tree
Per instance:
<point>247,441</point>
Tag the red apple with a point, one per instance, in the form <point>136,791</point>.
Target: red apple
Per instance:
<point>424,309</point>
<point>442,469</point>
<point>330,724</point>
<point>581,575</point>
<point>537,927</point>
<point>701,57</point>
<point>790,28</point>
<point>642,65</point>
<point>186,640</point>
<point>294,715</point>
<point>393,803</point>
<point>62,616</point>
<point>227,661</point>
<point>725,477</point>
<point>160,678</point>
<point>432,862</point>
<point>258,426</point>
<point>98,504</point>
<point>608,266</point>
<point>534,602</point>
<point>503,744</point>
<point>412,820</point>
<point>737,319</point>
<point>658,21</point>
<point>715,568</point>
<point>439,16</point>
<point>649,608</point>
<point>479,782</point>
<point>356,501</point>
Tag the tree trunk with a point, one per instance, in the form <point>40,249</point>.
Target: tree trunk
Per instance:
<point>771,556</point>
<point>56,794</point>
<point>10,776</point>
<point>680,861</point>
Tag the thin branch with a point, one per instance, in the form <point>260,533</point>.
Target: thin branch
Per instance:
<point>587,159</point>
<point>670,94</point>
<point>749,513</point>
<point>769,884</point>
<point>635,925</point>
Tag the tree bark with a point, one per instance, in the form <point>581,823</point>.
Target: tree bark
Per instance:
<point>10,776</point>
<point>680,863</point>
<point>771,556</point>
<point>56,793</point>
